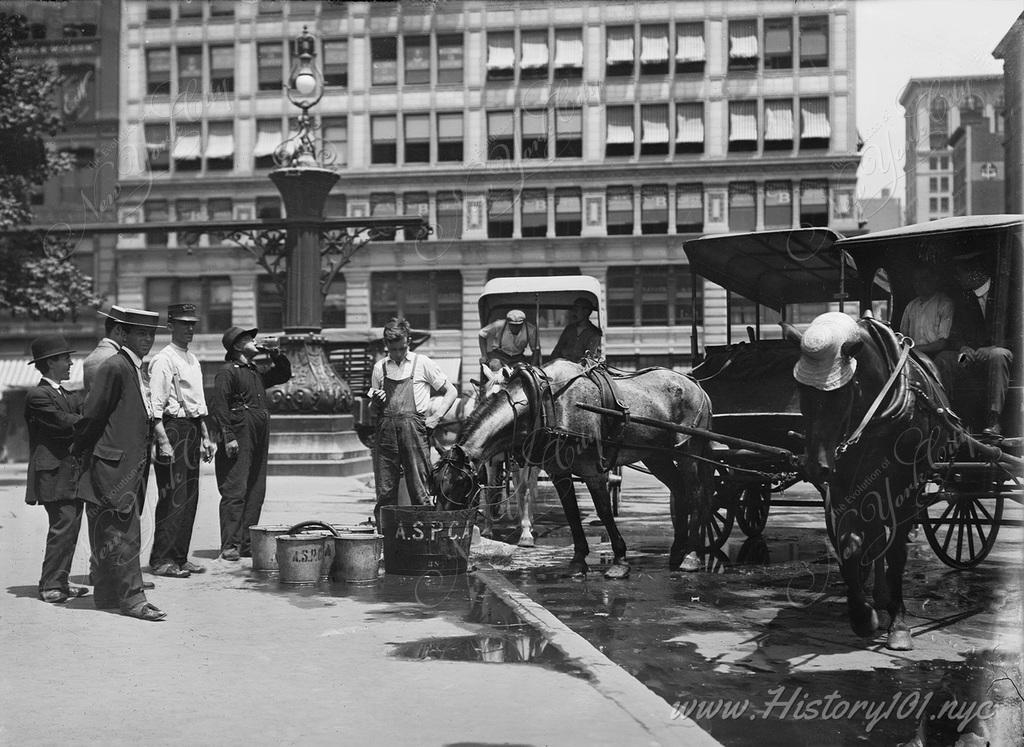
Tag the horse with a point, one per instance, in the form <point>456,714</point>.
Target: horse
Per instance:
<point>536,419</point>
<point>871,435</point>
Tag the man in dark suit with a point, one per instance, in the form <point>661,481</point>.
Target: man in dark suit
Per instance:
<point>114,438</point>
<point>51,414</point>
<point>108,346</point>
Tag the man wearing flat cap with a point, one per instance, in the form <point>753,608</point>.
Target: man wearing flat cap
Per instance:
<point>113,438</point>
<point>51,413</point>
<point>239,406</point>
<point>505,341</point>
<point>179,409</point>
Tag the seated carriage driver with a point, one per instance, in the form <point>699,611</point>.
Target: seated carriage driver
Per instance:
<point>927,319</point>
<point>581,337</point>
<point>505,341</point>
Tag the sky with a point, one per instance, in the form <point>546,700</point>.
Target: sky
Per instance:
<point>901,39</point>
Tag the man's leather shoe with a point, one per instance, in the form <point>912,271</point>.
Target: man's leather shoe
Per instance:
<point>146,611</point>
<point>148,585</point>
<point>53,596</point>
<point>171,571</point>
<point>191,567</point>
<point>993,431</point>
<point>230,553</point>
<point>77,591</point>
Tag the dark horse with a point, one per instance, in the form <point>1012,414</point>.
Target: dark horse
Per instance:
<point>536,418</point>
<point>869,446</point>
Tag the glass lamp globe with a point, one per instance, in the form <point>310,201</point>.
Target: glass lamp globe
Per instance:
<point>305,83</point>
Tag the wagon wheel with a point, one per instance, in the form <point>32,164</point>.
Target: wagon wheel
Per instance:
<point>615,488</point>
<point>961,521</point>
<point>714,522</point>
<point>752,509</point>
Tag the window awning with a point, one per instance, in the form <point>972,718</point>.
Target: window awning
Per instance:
<point>569,50</point>
<point>186,146</point>
<point>17,373</point>
<point>655,124</point>
<point>689,198</point>
<point>815,119</point>
<point>690,123</point>
<point>690,47</point>
<point>220,145</point>
<point>620,126</point>
<point>654,46</point>
<point>535,53</point>
<point>742,45</point>
<point>535,203</point>
<point>500,55</point>
<point>566,202</point>
<point>620,45</point>
<point>778,120</point>
<point>417,127</point>
<point>268,137</point>
<point>742,124</point>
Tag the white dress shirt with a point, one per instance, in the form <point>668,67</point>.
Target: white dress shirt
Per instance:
<point>176,383</point>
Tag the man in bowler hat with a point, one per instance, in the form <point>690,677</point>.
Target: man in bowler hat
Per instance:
<point>179,409</point>
<point>51,413</point>
<point>113,439</point>
<point>238,404</point>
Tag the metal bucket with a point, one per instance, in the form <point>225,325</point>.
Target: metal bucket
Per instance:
<point>264,546</point>
<point>305,557</point>
<point>420,540</point>
<point>357,557</point>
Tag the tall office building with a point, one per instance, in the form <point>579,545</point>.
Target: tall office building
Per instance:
<point>537,138</point>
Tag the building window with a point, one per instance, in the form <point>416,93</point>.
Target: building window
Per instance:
<point>335,70</point>
<point>620,211</point>
<point>778,44</point>
<point>188,150</point>
<point>689,208</point>
<point>742,46</point>
<point>568,54</point>
<point>187,211</point>
<point>933,204</point>
<point>382,205</point>
<point>270,58</point>
<point>689,128</point>
<point>620,54</point>
<point>335,206</point>
<point>384,60</point>
<point>212,294</point>
<point>269,304</point>
<point>427,299</point>
<point>619,138</point>
<point>654,209</point>
<point>742,210</point>
<point>155,211</point>
<point>654,50</point>
<point>220,146</point>
<point>158,12</point>
<point>334,303</point>
<point>383,147</point>
<point>219,209</point>
<point>813,203</point>
<point>335,143</point>
<point>944,162</point>
<point>449,137</point>
<point>415,203</point>
<point>449,216</point>
<point>417,138</point>
<point>268,138</point>
<point>568,212</point>
<point>222,69</point>
<point>778,205</point>
<point>501,56</point>
<point>652,296</point>
<point>158,72</point>
<point>499,214</point>
<point>500,136</point>
<point>568,133</point>
<point>744,311</point>
<point>79,30</point>
<point>742,126</point>
<point>690,50</point>
<point>158,138</point>
<point>449,60</point>
<point>535,134</point>
<point>190,11</point>
<point>778,125</point>
<point>944,183</point>
<point>268,208</point>
<point>269,7</point>
<point>933,184</point>
<point>944,204</point>
<point>417,60</point>
<point>815,130</point>
<point>534,212</point>
<point>533,63</point>
<point>222,9</point>
<point>654,130</point>
<point>814,42</point>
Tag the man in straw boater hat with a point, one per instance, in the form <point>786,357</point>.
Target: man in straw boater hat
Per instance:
<point>238,404</point>
<point>51,413</point>
<point>112,341</point>
<point>113,439</point>
<point>179,409</point>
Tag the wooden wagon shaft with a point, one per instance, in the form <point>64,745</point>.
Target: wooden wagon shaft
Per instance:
<point>740,443</point>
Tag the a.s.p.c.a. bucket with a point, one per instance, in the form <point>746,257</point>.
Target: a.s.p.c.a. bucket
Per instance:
<point>264,546</point>
<point>305,553</point>
<point>356,557</point>
<point>419,540</point>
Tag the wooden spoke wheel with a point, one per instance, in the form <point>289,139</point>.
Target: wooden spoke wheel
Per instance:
<point>961,521</point>
<point>715,521</point>
<point>752,509</point>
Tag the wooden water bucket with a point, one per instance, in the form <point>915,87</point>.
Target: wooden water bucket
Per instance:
<point>305,557</point>
<point>357,557</point>
<point>264,546</point>
<point>420,540</point>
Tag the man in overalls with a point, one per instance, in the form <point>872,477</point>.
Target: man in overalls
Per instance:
<point>401,386</point>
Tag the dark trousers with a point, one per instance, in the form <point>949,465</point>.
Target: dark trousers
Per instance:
<point>178,493</point>
<point>65,518</point>
<point>116,543</point>
<point>991,365</point>
<point>243,482</point>
<point>402,447</point>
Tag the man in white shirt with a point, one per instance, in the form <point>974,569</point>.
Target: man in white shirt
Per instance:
<point>179,409</point>
<point>928,318</point>
<point>507,340</point>
<point>401,386</point>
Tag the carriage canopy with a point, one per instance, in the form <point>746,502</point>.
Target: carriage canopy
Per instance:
<point>544,299</point>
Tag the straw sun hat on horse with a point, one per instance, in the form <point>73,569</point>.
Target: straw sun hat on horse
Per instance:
<point>822,363</point>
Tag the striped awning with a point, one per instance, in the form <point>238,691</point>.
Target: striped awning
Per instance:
<point>186,146</point>
<point>220,145</point>
<point>690,46</point>
<point>17,373</point>
<point>568,49</point>
<point>268,137</point>
<point>778,120</point>
<point>500,55</point>
<point>620,45</point>
<point>814,114</point>
<point>620,125</point>
<point>655,124</point>
<point>654,45</point>
<point>743,123</point>
<point>742,45</point>
<point>689,123</point>
<point>535,52</point>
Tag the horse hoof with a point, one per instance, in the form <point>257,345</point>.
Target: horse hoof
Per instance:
<point>617,571</point>
<point>578,570</point>
<point>864,625</point>
<point>526,541</point>
<point>691,563</point>
<point>899,640</point>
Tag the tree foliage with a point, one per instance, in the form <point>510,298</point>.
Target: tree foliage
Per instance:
<point>37,277</point>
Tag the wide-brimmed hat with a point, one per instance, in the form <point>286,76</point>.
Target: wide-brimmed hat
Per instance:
<point>822,363</point>
<point>182,312</point>
<point>515,316</point>
<point>48,346</point>
<point>134,317</point>
<point>232,334</point>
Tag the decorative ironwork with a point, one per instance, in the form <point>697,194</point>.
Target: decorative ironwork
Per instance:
<point>315,387</point>
<point>268,246</point>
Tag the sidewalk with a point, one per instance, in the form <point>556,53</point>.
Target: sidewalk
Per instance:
<point>239,659</point>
